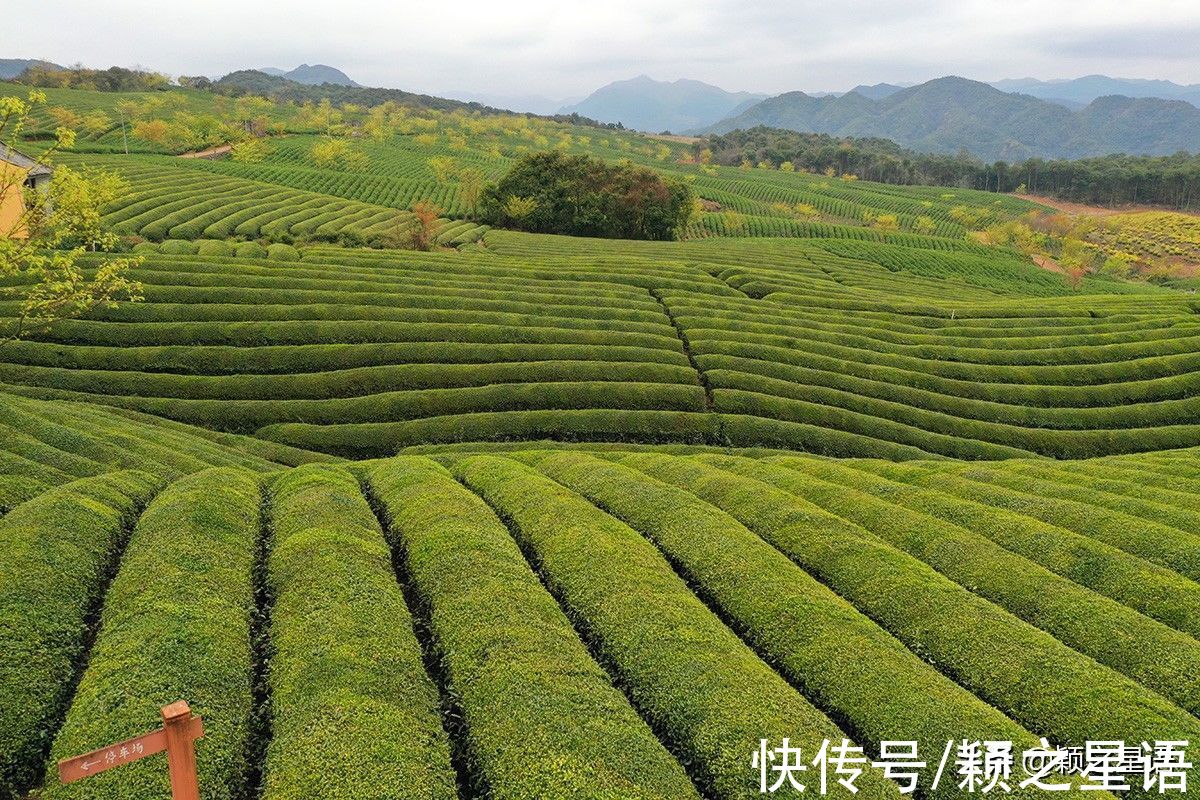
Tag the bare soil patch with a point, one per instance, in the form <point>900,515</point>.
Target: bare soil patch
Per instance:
<point>1082,209</point>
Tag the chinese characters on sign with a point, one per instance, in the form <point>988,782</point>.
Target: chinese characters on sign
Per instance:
<point>981,767</point>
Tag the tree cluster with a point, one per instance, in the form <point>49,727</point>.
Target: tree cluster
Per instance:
<point>113,79</point>
<point>553,192</point>
<point>1172,181</point>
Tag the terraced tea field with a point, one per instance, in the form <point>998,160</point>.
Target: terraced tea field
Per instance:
<point>845,349</point>
<point>537,516</point>
<point>638,620</point>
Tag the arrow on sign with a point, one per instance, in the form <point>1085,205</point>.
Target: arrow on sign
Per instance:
<point>189,729</point>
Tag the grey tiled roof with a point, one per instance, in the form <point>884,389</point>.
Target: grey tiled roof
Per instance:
<point>23,161</point>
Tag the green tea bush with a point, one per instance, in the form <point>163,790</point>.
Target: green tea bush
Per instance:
<point>512,659</point>
<point>176,625</point>
<point>373,440</point>
<point>251,250</point>
<point>1154,591</point>
<point>1148,651</point>
<point>1156,543</point>
<point>346,665</point>
<point>985,649</point>
<point>59,551</point>
<point>282,252</point>
<point>706,693</point>
<point>214,247</point>
<point>845,663</point>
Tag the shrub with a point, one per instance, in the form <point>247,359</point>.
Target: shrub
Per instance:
<point>703,689</point>
<point>1148,651</point>
<point>512,658</point>
<point>368,440</point>
<point>251,250</point>
<point>843,660</point>
<point>58,552</point>
<point>1155,591</point>
<point>282,252</point>
<point>346,663</point>
<point>177,247</point>
<point>214,247</point>
<point>249,415</point>
<point>16,489</point>
<point>176,625</point>
<point>988,651</point>
<point>1154,542</point>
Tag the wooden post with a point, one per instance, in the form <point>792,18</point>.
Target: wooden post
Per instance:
<point>181,751</point>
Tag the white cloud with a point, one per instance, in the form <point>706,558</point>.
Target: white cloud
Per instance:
<point>569,48</point>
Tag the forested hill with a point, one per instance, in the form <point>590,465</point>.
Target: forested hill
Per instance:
<point>951,114</point>
<point>1171,181</point>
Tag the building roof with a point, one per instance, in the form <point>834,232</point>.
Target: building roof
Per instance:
<point>19,159</point>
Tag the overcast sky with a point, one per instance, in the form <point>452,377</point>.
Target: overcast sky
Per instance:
<point>559,48</point>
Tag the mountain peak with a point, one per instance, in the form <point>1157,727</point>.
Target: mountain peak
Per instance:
<point>952,113</point>
<point>646,104</point>
<point>311,74</point>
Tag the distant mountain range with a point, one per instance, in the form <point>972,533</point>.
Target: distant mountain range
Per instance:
<point>1081,91</point>
<point>876,92</point>
<point>645,104</point>
<point>311,75</point>
<point>531,103</point>
<point>12,67</point>
<point>947,115</point>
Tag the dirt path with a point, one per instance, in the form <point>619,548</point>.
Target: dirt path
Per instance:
<point>1082,209</point>
<point>212,152</point>
<point>673,138</point>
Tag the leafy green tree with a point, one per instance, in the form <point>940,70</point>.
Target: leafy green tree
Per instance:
<point>332,153</point>
<point>579,195</point>
<point>471,183</point>
<point>442,168</point>
<point>519,208</point>
<point>250,151</point>
<point>41,247</point>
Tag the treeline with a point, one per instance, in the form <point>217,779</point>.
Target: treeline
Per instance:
<point>253,82</point>
<point>1172,181</point>
<point>250,82</point>
<point>113,79</point>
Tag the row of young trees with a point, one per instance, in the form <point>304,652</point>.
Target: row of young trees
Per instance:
<point>1171,181</point>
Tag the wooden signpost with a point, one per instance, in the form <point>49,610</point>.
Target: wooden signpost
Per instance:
<point>180,729</point>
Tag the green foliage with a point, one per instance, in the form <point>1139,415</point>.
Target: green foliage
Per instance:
<point>60,549</point>
<point>512,659</point>
<point>702,688</point>
<point>931,614</point>
<point>53,227</point>
<point>844,661</point>
<point>176,625</point>
<point>582,196</point>
<point>282,252</point>
<point>1076,616</point>
<point>1155,591</point>
<point>214,247</point>
<point>353,713</point>
<point>178,247</point>
<point>63,441</point>
<point>250,250</point>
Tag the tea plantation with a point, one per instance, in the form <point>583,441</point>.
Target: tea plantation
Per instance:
<point>534,516</point>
